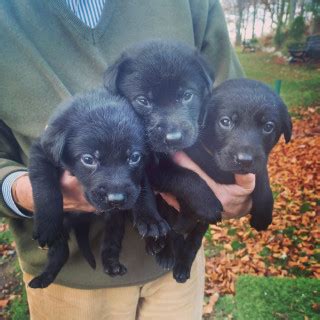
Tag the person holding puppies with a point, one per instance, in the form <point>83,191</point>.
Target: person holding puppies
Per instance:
<point>50,51</point>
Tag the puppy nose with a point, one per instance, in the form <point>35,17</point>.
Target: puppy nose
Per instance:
<point>244,159</point>
<point>173,137</point>
<point>116,199</point>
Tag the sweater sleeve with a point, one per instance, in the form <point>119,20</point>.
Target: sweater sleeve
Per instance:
<point>10,162</point>
<point>7,184</point>
<point>212,38</point>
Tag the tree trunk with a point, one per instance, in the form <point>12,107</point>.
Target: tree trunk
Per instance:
<point>302,7</point>
<point>287,14</point>
<point>280,11</point>
<point>247,22</point>
<point>272,12</point>
<point>254,18</point>
<point>292,10</point>
<point>238,24</point>
<point>315,25</point>
<point>280,14</point>
<point>263,19</point>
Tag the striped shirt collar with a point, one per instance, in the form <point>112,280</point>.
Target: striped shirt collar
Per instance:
<point>88,11</point>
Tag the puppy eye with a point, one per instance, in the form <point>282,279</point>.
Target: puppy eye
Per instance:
<point>187,96</point>
<point>134,158</point>
<point>226,123</point>
<point>143,101</point>
<point>88,160</point>
<point>268,127</point>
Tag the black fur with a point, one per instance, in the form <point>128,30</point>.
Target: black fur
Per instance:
<point>167,84</point>
<point>101,141</point>
<point>243,148</point>
<point>153,77</point>
<point>253,109</point>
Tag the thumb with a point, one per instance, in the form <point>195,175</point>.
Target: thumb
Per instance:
<point>246,181</point>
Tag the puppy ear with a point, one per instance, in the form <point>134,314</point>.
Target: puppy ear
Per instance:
<point>111,75</point>
<point>208,76</point>
<point>54,137</point>
<point>207,72</point>
<point>53,142</point>
<point>203,115</point>
<point>286,128</point>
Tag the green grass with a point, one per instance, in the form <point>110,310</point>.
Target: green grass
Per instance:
<point>6,237</point>
<point>212,250</point>
<point>300,83</point>
<point>225,308</point>
<point>237,245</point>
<point>277,298</point>
<point>270,298</point>
<point>18,308</point>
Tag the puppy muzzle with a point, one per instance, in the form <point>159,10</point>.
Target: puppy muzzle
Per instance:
<point>116,200</point>
<point>105,200</point>
<point>169,140</point>
<point>240,162</point>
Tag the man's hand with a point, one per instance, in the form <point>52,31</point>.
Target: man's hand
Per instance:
<point>235,198</point>
<point>73,198</point>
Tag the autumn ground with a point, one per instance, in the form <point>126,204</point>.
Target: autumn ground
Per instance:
<point>290,249</point>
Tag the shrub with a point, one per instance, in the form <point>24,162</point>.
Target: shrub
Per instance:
<point>297,29</point>
<point>279,38</point>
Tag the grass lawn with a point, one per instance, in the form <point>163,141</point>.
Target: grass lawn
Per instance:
<point>300,82</point>
<point>271,298</point>
<point>11,283</point>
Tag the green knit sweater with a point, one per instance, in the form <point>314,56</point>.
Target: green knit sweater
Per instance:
<point>46,55</point>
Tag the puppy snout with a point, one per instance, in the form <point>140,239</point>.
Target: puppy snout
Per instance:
<point>244,159</point>
<point>102,189</point>
<point>169,136</point>
<point>116,199</point>
<point>173,137</point>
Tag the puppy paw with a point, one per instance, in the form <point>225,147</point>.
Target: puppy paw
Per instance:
<point>260,224</point>
<point>165,258</point>
<point>42,281</point>
<point>149,226</point>
<point>154,246</point>
<point>46,232</point>
<point>181,272</point>
<point>114,268</point>
<point>208,209</point>
<point>185,223</point>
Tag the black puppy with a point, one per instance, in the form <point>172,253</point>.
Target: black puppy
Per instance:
<point>245,120</point>
<point>100,140</point>
<point>167,84</point>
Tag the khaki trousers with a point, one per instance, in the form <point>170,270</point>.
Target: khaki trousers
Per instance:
<point>161,299</point>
